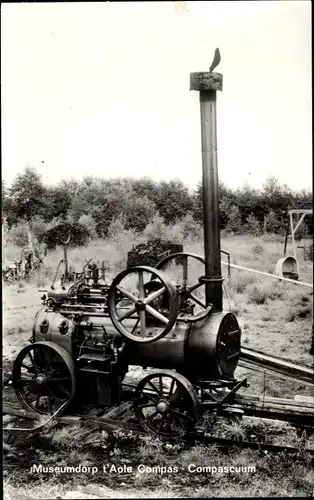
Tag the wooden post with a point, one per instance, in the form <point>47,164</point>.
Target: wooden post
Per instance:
<point>207,84</point>
<point>66,267</point>
<point>286,238</point>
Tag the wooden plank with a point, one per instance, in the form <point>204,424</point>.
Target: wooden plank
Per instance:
<point>8,418</point>
<point>243,398</point>
<point>114,413</point>
<point>18,412</point>
<point>304,399</point>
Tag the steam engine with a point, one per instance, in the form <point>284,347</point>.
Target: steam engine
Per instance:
<point>84,339</point>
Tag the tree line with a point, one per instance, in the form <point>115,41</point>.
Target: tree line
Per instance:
<point>98,203</point>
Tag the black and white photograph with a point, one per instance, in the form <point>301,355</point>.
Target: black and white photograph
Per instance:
<point>157,250</point>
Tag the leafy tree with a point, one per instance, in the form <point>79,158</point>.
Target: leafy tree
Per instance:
<point>272,224</point>
<point>137,212</point>
<point>226,199</point>
<point>146,187</point>
<point>234,224</point>
<point>174,200</point>
<point>60,199</point>
<point>4,200</point>
<point>26,197</point>
<point>277,197</point>
<point>249,201</point>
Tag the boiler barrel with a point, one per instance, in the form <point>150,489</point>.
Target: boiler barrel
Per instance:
<point>205,350</point>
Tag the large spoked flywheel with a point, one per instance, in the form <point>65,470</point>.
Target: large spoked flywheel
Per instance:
<point>148,308</point>
<point>166,404</point>
<point>43,378</point>
<point>184,269</point>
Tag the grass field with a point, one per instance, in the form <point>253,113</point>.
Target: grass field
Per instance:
<point>275,317</point>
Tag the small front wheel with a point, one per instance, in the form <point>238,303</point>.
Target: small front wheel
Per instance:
<point>166,404</point>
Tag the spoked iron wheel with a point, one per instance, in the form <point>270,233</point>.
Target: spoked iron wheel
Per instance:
<point>149,312</point>
<point>180,267</point>
<point>166,404</point>
<point>43,378</point>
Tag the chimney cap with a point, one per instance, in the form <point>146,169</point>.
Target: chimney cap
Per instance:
<point>206,81</point>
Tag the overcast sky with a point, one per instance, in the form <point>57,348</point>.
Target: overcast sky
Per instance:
<point>103,89</point>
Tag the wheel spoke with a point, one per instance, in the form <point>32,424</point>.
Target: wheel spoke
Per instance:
<point>127,314</point>
<point>171,388</point>
<point>141,285</point>
<point>157,315</point>
<point>143,323</point>
<point>67,393</point>
<point>127,294</point>
<point>152,397</point>
<point>26,380</point>
<point>154,387</point>
<point>153,415</point>
<point>180,415</point>
<point>178,419</point>
<point>153,296</point>
<point>37,401</point>
<point>196,299</point>
<point>161,386</point>
<point>161,421</point>
<point>49,403</point>
<point>58,379</point>
<point>28,368</point>
<point>135,326</point>
<point>47,359</point>
<point>146,405</point>
<point>185,271</point>
<point>176,396</point>
<point>53,394</point>
<point>191,288</point>
<point>33,361</point>
<point>48,363</point>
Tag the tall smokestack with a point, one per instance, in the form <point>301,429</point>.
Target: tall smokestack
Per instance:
<point>207,84</point>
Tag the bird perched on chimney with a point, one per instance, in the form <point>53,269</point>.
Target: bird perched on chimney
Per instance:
<point>216,60</point>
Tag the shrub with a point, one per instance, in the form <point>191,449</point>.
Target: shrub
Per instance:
<point>252,225</point>
<point>241,281</point>
<point>158,229</point>
<point>271,223</point>
<point>191,229</point>
<point>257,248</point>
<point>18,235</point>
<point>151,252</point>
<point>38,227</point>
<point>258,295</point>
<point>275,292</point>
<point>115,228</point>
<point>298,311</point>
<point>55,236</point>
<point>89,223</point>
